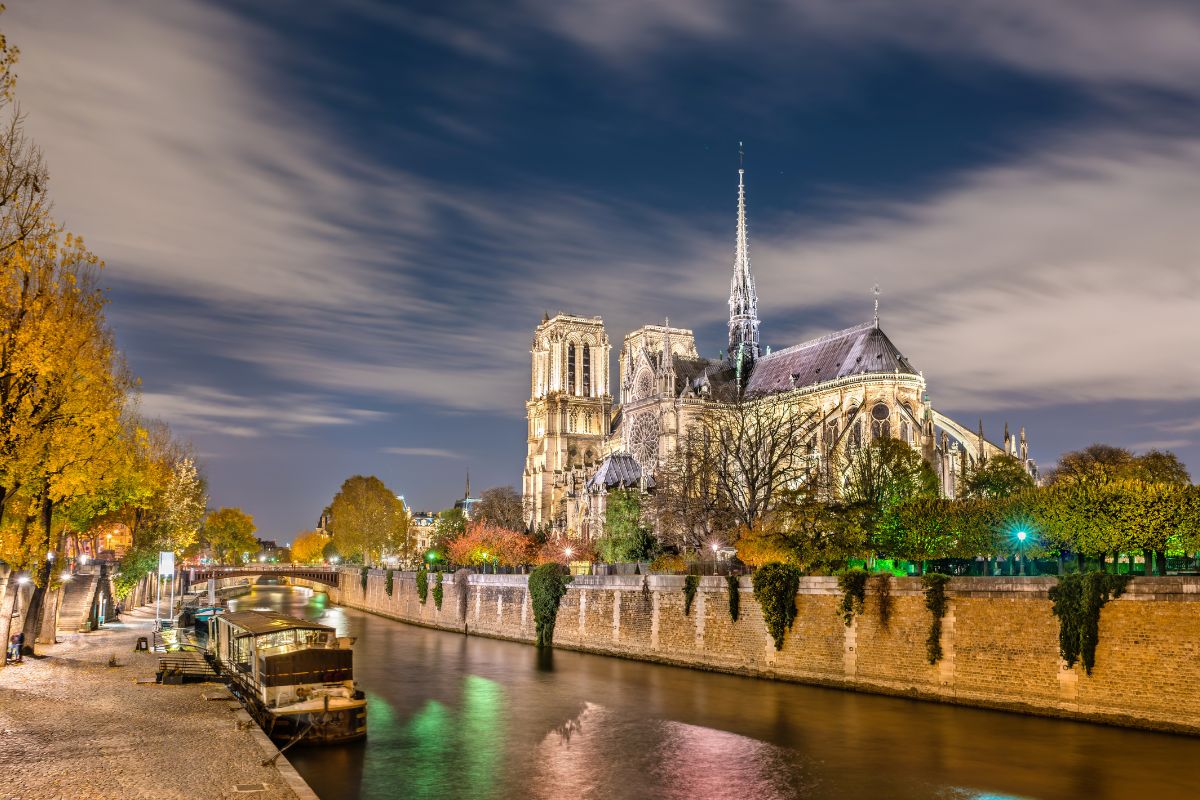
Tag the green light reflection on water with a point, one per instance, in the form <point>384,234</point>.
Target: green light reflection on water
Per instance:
<point>482,732</point>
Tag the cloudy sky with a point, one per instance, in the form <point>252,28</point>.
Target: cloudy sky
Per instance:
<point>330,228</point>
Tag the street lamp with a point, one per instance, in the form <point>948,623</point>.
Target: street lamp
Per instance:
<point>1021,548</point>
<point>715,547</point>
<point>567,552</point>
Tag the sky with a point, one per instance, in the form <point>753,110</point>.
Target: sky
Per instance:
<point>330,228</point>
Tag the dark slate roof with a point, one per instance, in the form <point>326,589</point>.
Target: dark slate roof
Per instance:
<point>854,351</point>
<point>256,623</point>
<point>619,470</point>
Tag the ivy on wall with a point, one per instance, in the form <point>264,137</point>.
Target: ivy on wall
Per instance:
<point>437,590</point>
<point>1077,599</point>
<point>735,596</point>
<point>363,576</point>
<point>884,590</point>
<point>422,584</point>
<point>389,583</point>
<point>690,584</point>
<point>547,585</point>
<point>775,588</point>
<point>853,583</point>
<point>935,601</point>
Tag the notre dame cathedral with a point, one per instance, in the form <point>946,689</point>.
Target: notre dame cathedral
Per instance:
<point>583,445</point>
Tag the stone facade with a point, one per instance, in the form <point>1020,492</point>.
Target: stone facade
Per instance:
<point>999,638</point>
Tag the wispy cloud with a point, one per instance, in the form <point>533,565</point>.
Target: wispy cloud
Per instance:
<point>428,452</point>
<point>208,410</point>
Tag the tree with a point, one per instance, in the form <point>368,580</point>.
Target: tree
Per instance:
<point>1096,463</point>
<point>806,530</point>
<point>229,532</point>
<point>688,510</point>
<point>501,505</point>
<point>451,524</point>
<point>998,476</point>
<point>484,543</point>
<point>367,520</point>
<point>883,474</point>
<point>308,547</point>
<point>758,450</point>
<point>625,537</point>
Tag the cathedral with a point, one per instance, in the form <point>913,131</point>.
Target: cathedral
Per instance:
<point>582,444</point>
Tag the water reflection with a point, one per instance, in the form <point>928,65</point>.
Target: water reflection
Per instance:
<point>452,716</point>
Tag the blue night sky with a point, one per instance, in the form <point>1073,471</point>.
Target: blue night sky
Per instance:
<point>330,228</point>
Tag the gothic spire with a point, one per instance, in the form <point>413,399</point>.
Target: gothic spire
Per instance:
<point>743,300</point>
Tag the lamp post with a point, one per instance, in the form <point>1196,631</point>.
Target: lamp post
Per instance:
<point>1021,549</point>
<point>715,547</point>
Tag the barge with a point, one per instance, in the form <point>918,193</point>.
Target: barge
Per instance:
<point>296,677</point>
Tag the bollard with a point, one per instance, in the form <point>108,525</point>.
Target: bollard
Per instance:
<point>142,645</point>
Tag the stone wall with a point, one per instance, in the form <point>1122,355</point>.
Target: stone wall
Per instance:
<point>999,637</point>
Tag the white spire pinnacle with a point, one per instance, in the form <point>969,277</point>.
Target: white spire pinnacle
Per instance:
<point>743,300</point>
<point>877,305</point>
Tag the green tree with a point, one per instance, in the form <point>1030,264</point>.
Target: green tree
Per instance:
<point>998,476</point>
<point>883,474</point>
<point>368,520</point>
<point>229,532</point>
<point>625,537</point>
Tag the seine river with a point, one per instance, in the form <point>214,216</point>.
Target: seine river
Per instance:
<point>453,716</point>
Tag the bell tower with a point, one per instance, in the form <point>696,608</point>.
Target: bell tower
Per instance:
<point>567,412</point>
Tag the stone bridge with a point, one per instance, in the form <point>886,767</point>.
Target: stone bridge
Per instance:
<point>325,575</point>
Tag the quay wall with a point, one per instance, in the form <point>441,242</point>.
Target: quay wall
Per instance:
<point>999,637</point>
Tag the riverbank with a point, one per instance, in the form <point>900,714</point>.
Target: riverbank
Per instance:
<point>998,637</point>
<point>72,727</point>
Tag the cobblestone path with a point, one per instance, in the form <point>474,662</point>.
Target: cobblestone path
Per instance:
<point>74,728</point>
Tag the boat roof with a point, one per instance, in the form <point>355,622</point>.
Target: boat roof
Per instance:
<point>256,623</point>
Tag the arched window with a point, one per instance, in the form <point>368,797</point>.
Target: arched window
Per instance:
<point>587,370</point>
<point>881,426</point>
<point>571,368</point>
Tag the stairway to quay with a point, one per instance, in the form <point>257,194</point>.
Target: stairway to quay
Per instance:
<point>74,727</point>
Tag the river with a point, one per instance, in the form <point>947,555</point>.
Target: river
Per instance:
<point>452,716</point>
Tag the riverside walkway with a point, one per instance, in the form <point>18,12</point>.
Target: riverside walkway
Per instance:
<point>72,727</point>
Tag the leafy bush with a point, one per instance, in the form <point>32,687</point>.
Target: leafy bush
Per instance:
<point>935,601</point>
<point>669,563</point>
<point>1077,600</point>
<point>735,596</point>
<point>853,583</point>
<point>437,590</point>
<point>422,583</point>
<point>690,584</point>
<point>389,583</point>
<point>547,585</point>
<point>775,588</point>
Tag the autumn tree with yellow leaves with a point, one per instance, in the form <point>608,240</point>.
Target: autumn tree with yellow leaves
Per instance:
<point>73,452</point>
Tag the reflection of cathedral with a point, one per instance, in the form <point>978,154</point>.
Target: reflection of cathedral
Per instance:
<point>581,445</point>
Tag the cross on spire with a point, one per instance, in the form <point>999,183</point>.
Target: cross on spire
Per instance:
<point>743,300</point>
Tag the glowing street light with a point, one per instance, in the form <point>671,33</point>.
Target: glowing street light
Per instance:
<point>715,547</point>
<point>1021,535</point>
<point>567,552</point>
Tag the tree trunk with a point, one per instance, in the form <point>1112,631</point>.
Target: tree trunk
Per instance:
<point>1161,557</point>
<point>8,596</point>
<point>1130,562</point>
<point>33,615</point>
<point>1148,558</point>
<point>1104,562</point>
<point>1080,561</point>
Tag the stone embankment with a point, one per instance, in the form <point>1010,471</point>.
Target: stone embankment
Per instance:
<point>75,728</point>
<point>999,638</point>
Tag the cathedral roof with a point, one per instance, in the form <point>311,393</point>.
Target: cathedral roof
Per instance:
<point>619,470</point>
<point>855,351</point>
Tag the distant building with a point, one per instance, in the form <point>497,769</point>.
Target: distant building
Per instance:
<point>467,503</point>
<point>422,526</point>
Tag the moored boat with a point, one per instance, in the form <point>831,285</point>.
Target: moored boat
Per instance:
<point>296,677</point>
